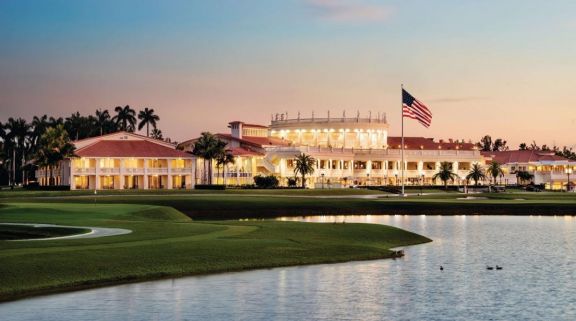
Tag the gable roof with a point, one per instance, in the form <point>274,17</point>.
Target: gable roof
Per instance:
<point>121,135</point>
<point>257,140</point>
<point>240,151</point>
<point>130,148</point>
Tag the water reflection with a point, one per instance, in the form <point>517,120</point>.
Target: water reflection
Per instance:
<point>537,282</point>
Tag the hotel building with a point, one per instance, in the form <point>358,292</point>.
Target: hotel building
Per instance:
<point>348,151</point>
<point>549,169</point>
<point>123,160</point>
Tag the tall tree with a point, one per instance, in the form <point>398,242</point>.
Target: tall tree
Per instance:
<point>125,118</point>
<point>55,147</point>
<point>147,118</point>
<point>305,165</point>
<point>208,147</point>
<point>156,134</point>
<point>476,173</point>
<point>222,160</point>
<point>39,125</point>
<point>18,134</point>
<point>523,146</point>
<point>495,170</point>
<point>445,173</point>
<point>102,120</point>
<point>485,143</point>
<point>524,176</point>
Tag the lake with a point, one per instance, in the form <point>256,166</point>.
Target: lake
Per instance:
<point>537,282</point>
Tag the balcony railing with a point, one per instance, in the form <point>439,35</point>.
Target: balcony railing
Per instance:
<point>83,171</point>
<point>277,122</point>
<point>375,152</point>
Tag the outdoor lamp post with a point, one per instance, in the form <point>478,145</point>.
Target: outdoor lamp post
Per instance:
<point>568,171</point>
<point>322,180</point>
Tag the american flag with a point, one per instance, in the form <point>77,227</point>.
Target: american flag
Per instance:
<point>412,108</point>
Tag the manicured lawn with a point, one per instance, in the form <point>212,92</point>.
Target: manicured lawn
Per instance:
<point>166,243</point>
<point>224,205</point>
<point>289,192</point>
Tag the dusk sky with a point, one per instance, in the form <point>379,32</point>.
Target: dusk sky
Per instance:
<point>504,68</point>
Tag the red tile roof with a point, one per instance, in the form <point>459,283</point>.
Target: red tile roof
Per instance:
<point>426,143</point>
<point>523,156</point>
<point>239,151</point>
<point>258,141</point>
<point>130,148</point>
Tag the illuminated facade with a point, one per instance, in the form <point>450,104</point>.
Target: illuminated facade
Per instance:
<point>549,169</point>
<point>348,151</point>
<point>123,161</point>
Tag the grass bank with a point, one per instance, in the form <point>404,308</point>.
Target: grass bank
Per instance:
<point>166,243</point>
<point>258,204</point>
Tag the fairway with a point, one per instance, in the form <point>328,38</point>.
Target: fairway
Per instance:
<point>167,243</point>
<point>235,204</point>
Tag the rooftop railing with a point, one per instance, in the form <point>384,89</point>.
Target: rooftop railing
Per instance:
<point>381,120</point>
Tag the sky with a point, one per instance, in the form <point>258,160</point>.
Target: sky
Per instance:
<point>504,68</point>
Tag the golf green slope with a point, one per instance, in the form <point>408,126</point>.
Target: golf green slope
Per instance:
<point>166,243</point>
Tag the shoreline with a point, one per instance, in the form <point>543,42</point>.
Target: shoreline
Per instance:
<point>167,244</point>
<point>134,280</point>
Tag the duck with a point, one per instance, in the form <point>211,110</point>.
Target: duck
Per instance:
<point>498,267</point>
<point>489,267</point>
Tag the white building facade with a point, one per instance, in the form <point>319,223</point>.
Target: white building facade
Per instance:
<point>348,151</point>
<point>123,160</point>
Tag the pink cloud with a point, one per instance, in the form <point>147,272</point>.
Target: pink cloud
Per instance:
<point>349,11</point>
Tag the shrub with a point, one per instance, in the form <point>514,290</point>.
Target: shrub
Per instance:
<point>270,181</point>
<point>292,181</point>
<point>210,186</point>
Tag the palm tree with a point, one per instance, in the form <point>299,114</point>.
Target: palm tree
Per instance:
<point>55,147</point>
<point>476,173</point>
<point>19,132</point>
<point>208,147</point>
<point>39,125</point>
<point>147,117</point>
<point>156,133</point>
<point>445,173</point>
<point>223,159</point>
<point>495,170</point>
<point>74,125</point>
<point>524,176</point>
<point>102,119</point>
<point>305,165</point>
<point>125,118</point>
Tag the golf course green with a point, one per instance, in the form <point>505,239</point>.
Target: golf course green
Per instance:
<point>166,243</point>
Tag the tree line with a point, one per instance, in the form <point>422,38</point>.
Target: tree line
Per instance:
<point>43,141</point>
<point>487,144</point>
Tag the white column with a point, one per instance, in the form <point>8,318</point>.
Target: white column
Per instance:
<point>145,174</point>
<point>169,184</point>
<point>193,175</point>
<point>122,183</point>
<point>97,174</point>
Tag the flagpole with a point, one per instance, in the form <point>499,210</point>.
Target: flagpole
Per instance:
<point>402,115</point>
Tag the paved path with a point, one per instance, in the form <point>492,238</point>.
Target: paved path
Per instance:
<point>94,232</point>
